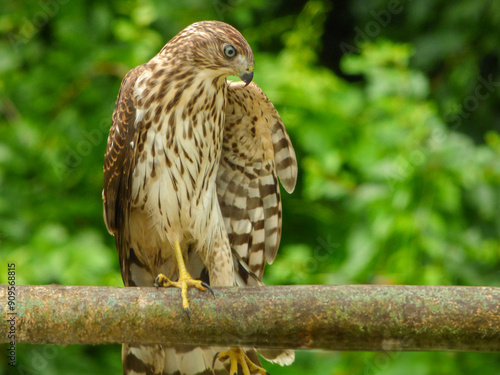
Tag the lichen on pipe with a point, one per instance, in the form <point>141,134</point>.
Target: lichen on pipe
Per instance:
<point>344,317</point>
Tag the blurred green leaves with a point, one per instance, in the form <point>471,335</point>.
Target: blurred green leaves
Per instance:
<point>410,189</point>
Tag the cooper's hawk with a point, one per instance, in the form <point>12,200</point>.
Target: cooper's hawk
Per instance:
<point>191,183</point>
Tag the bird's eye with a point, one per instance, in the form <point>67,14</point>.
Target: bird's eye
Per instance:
<point>229,51</point>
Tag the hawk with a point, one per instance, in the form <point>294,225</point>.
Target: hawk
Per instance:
<point>191,189</point>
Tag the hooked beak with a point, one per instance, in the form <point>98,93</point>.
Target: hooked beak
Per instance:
<point>246,77</point>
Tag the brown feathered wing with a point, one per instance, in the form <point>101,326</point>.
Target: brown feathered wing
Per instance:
<point>256,152</point>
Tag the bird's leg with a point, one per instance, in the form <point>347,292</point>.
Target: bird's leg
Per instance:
<point>238,357</point>
<point>185,280</point>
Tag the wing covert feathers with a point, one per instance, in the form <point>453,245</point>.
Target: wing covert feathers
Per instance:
<point>256,151</point>
<point>119,153</point>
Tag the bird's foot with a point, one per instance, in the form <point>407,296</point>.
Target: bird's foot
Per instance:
<point>238,357</point>
<point>183,283</point>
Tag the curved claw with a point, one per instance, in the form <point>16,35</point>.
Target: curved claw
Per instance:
<point>238,358</point>
<point>184,282</point>
<point>162,280</point>
<point>215,359</point>
<point>208,287</point>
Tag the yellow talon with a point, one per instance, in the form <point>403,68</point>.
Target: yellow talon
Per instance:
<point>238,357</point>
<point>185,280</point>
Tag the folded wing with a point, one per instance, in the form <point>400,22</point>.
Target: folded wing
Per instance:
<point>256,152</point>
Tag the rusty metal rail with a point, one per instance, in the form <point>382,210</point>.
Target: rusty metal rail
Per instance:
<point>346,317</point>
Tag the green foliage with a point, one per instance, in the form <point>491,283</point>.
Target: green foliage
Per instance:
<point>457,47</point>
<point>392,188</point>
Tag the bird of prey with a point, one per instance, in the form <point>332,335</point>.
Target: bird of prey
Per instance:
<point>191,189</point>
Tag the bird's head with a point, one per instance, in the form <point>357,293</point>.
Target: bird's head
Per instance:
<point>215,48</point>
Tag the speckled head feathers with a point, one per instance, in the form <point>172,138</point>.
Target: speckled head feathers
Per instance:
<point>209,45</point>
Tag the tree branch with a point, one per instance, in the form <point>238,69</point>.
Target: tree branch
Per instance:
<point>350,317</point>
